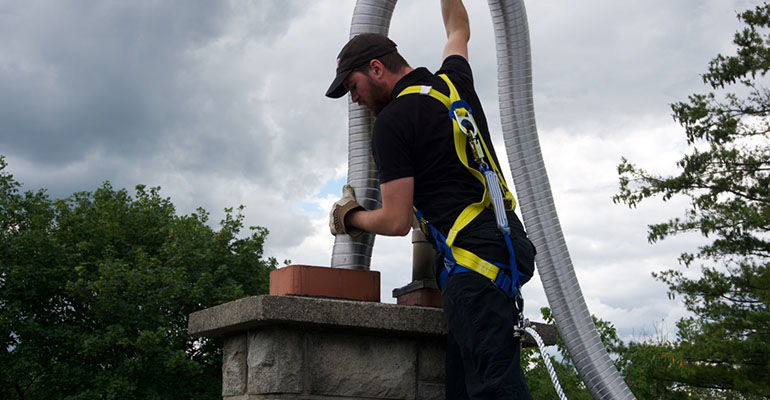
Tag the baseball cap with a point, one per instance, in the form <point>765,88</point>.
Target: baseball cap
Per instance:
<point>358,51</point>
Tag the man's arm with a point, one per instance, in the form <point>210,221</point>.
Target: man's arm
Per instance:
<point>458,29</point>
<point>395,216</point>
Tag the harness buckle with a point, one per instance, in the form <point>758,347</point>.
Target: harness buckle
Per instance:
<point>465,121</point>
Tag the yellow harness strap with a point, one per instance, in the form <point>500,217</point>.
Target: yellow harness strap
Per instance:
<point>471,211</point>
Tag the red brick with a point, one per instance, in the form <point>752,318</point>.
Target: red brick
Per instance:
<point>340,283</point>
<point>426,297</point>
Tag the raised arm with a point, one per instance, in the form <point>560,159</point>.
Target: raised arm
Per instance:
<point>458,29</point>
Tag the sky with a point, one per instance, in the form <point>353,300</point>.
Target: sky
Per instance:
<point>221,103</point>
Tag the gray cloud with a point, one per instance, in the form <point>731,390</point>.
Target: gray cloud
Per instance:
<point>610,60</point>
<point>129,80</point>
<point>221,104</point>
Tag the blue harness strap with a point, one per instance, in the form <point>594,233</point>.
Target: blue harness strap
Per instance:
<point>508,278</point>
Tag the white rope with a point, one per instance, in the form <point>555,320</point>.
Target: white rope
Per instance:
<point>547,361</point>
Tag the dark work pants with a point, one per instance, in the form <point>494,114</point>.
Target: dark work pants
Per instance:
<point>482,356</point>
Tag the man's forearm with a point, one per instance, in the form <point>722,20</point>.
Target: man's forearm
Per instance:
<point>458,29</point>
<point>395,216</point>
<point>455,19</point>
<point>377,221</point>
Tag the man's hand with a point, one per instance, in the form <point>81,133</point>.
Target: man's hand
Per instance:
<point>340,209</point>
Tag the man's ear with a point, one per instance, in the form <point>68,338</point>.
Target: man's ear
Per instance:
<point>376,68</point>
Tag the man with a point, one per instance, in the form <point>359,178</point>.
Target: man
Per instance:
<point>419,165</point>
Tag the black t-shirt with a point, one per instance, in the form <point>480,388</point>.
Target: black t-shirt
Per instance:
<point>413,137</point>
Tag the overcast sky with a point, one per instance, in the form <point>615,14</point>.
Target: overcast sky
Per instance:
<point>221,103</point>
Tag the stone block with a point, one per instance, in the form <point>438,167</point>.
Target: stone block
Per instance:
<point>234,354</point>
<point>430,360</point>
<point>361,366</point>
<point>294,347</point>
<point>430,391</point>
<point>258,311</point>
<point>275,359</point>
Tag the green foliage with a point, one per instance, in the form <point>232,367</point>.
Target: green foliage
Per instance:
<point>726,175</point>
<point>536,373</point>
<point>645,366</point>
<point>95,291</point>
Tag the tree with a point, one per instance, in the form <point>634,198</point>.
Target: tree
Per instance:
<point>536,373</point>
<point>95,291</point>
<point>726,176</point>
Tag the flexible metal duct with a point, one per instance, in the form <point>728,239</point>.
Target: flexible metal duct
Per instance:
<point>368,16</point>
<point>530,178</point>
<point>517,112</point>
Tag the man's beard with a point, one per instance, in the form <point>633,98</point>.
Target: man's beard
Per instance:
<point>380,97</point>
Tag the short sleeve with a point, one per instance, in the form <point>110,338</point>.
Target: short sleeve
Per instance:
<point>458,67</point>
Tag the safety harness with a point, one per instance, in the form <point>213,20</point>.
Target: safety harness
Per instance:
<point>496,195</point>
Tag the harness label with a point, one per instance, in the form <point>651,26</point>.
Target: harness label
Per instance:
<point>448,264</point>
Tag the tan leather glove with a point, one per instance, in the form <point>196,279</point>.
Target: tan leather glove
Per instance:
<point>341,208</point>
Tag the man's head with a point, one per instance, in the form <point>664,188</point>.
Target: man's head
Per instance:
<point>367,61</point>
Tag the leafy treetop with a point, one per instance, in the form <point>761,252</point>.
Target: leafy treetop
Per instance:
<point>95,291</point>
<point>726,175</point>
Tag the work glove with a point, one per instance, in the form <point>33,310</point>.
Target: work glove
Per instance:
<point>340,209</point>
